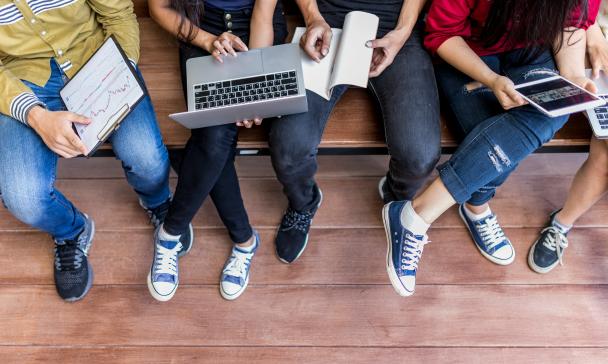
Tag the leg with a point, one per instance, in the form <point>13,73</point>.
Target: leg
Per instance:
<point>293,142</point>
<point>27,183</point>
<point>407,95</point>
<point>139,146</point>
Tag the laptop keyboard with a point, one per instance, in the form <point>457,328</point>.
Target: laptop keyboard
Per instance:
<point>245,90</point>
<point>602,114</point>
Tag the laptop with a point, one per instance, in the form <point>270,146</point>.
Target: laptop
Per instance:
<point>598,117</point>
<point>260,83</point>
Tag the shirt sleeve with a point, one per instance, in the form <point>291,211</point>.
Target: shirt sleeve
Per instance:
<point>578,21</point>
<point>118,19</point>
<point>447,19</point>
<point>17,99</point>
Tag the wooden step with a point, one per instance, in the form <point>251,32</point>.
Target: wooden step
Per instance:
<point>333,257</point>
<point>327,316</point>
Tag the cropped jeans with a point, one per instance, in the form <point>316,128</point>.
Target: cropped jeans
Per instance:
<point>28,167</point>
<point>494,141</point>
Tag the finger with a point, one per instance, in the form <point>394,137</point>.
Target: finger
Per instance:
<point>596,67</point>
<point>62,151</point>
<point>326,42</point>
<point>309,43</point>
<point>62,145</point>
<point>217,55</point>
<point>220,47</point>
<point>257,121</point>
<point>591,87</point>
<point>228,47</point>
<point>377,43</point>
<point>74,142</point>
<point>79,119</point>
<point>248,124</point>
<point>380,68</point>
<point>514,96</point>
<point>239,44</point>
<point>239,123</point>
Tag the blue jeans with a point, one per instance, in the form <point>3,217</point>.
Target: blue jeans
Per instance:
<point>495,141</point>
<point>28,166</point>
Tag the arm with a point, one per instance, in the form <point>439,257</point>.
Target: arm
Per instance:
<point>597,49</point>
<point>169,19</point>
<point>262,30</point>
<point>118,19</point>
<point>317,39</point>
<point>17,99</point>
<point>570,60</point>
<point>386,49</point>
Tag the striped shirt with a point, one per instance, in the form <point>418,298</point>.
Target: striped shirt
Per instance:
<point>33,32</point>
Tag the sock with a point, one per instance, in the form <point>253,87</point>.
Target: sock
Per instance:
<point>561,227</point>
<point>477,217</point>
<point>248,249</point>
<point>412,221</point>
<point>163,235</point>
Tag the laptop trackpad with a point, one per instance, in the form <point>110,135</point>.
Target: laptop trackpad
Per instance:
<point>245,64</point>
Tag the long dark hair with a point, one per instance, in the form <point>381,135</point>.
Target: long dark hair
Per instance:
<point>537,23</point>
<point>191,10</point>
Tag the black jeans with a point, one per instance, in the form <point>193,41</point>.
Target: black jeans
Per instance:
<point>207,166</point>
<point>406,93</point>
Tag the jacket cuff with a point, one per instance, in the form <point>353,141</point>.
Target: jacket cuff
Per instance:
<point>22,104</point>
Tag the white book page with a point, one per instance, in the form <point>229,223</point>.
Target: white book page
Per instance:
<point>317,76</point>
<point>353,59</point>
<point>104,91</point>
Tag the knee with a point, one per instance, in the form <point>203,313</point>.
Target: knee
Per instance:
<point>29,202</point>
<point>216,143</point>
<point>416,163</point>
<point>288,155</point>
<point>148,161</point>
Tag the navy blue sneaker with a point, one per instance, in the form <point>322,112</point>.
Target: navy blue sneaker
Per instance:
<point>547,251</point>
<point>404,250</point>
<point>235,275</point>
<point>163,278</point>
<point>157,217</point>
<point>489,238</point>
<point>73,272</point>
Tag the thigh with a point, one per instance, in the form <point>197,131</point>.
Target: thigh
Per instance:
<point>407,95</point>
<point>535,69</point>
<point>470,103</point>
<point>27,166</point>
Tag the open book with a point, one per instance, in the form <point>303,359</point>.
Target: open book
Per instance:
<point>348,60</point>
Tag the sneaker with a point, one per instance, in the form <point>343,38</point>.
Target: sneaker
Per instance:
<point>73,272</point>
<point>489,238</point>
<point>548,250</point>
<point>386,195</point>
<point>163,278</point>
<point>404,250</point>
<point>235,275</point>
<point>157,217</point>
<point>292,236</point>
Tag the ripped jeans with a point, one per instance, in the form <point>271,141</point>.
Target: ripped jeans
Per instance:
<point>493,141</point>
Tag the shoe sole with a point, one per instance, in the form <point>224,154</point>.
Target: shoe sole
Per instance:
<point>228,297</point>
<point>535,267</point>
<point>91,277</point>
<point>305,242</point>
<point>184,252</point>
<point>156,295</point>
<point>390,269</point>
<point>380,185</point>
<point>486,255</point>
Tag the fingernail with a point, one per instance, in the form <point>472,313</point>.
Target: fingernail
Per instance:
<point>324,51</point>
<point>368,44</point>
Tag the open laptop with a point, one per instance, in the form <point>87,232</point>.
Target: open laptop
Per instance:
<point>598,117</point>
<point>259,83</point>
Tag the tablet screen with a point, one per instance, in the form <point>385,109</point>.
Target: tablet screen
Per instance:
<point>556,94</point>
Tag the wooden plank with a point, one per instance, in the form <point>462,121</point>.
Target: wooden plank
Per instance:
<point>524,201</point>
<point>330,259</point>
<point>354,122</point>
<point>308,355</point>
<point>475,316</point>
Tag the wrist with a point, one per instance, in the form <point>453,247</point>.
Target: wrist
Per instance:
<point>35,115</point>
<point>204,41</point>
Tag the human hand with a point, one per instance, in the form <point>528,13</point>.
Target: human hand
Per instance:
<point>317,39</point>
<point>385,51</point>
<point>224,44</point>
<point>249,123</point>
<point>55,129</point>
<point>598,57</point>
<point>505,92</point>
<point>583,82</point>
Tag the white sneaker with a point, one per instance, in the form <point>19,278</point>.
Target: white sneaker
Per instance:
<point>235,275</point>
<point>163,278</point>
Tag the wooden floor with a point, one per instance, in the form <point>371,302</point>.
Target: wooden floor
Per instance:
<point>334,305</point>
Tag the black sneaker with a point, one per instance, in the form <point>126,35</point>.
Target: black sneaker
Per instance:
<point>547,251</point>
<point>157,217</point>
<point>292,236</point>
<point>73,273</point>
<point>386,194</point>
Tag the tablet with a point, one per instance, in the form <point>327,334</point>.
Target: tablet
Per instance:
<point>556,96</point>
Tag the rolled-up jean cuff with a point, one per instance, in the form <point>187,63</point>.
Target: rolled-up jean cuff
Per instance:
<point>453,183</point>
<point>481,201</point>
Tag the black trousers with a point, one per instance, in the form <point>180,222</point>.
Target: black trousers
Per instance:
<point>207,166</point>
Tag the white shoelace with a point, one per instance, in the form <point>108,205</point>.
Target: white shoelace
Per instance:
<point>555,241</point>
<point>412,251</point>
<point>166,260</point>
<point>491,233</point>
<point>237,266</point>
